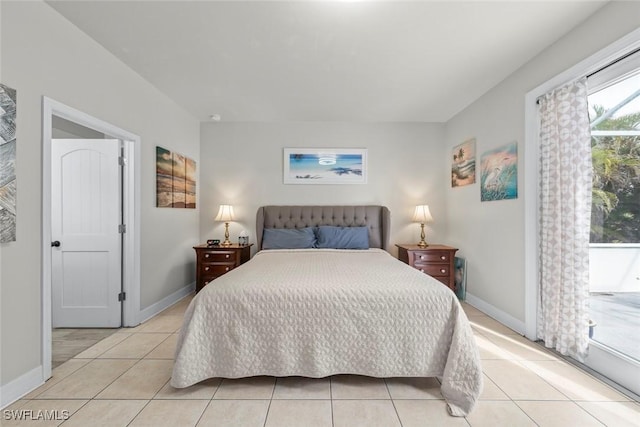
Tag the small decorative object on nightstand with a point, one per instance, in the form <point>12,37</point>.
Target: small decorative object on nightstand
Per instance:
<point>422,215</point>
<point>214,261</point>
<point>225,214</point>
<point>434,260</point>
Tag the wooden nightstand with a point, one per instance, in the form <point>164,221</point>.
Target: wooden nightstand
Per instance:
<point>434,260</point>
<point>214,261</point>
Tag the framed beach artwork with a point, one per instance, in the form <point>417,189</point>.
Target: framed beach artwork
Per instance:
<point>463,164</point>
<point>325,166</point>
<point>175,180</point>
<point>8,103</point>
<point>499,173</point>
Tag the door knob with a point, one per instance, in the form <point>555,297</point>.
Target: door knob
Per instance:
<point>55,244</point>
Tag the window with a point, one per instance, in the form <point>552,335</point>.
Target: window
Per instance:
<point>614,111</point>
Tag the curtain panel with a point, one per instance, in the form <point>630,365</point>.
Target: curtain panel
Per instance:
<point>564,219</point>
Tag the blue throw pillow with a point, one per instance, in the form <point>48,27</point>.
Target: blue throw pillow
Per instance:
<point>288,238</point>
<point>342,237</point>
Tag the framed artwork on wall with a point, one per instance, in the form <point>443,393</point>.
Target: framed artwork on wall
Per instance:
<point>499,173</point>
<point>463,164</point>
<point>8,102</point>
<point>175,180</point>
<point>325,166</point>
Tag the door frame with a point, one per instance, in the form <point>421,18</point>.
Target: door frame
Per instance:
<point>131,215</point>
<point>600,358</point>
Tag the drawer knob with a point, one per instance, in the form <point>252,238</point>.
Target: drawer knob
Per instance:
<point>226,256</point>
<point>207,268</point>
<point>207,255</point>
<point>226,269</point>
<point>421,256</point>
<point>422,270</point>
<point>443,257</point>
<point>442,270</point>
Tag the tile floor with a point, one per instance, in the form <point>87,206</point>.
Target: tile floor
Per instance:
<point>69,342</point>
<point>124,381</point>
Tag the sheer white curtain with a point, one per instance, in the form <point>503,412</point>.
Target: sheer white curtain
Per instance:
<point>565,215</point>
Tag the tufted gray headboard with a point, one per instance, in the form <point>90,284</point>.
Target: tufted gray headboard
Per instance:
<point>376,218</point>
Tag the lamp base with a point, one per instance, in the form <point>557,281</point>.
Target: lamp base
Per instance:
<point>226,242</point>
<point>422,243</point>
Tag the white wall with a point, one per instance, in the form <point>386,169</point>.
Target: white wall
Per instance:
<point>243,167</point>
<point>491,234</point>
<point>42,54</point>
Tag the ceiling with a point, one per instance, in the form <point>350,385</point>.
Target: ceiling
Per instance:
<point>353,61</point>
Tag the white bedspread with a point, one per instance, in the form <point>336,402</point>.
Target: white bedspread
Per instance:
<point>321,312</point>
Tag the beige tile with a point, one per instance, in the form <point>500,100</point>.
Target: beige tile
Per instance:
<point>573,382</point>
<point>161,324</point>
<point>170,413</point>
<point>43,413</point>
<point>364,413</point>
<point>246,388</point>
<point>489,350</point>
<point>16,405</point>
<point>290,413</point>
<point>519,348</point>
<point>518,382</point>
<point>204,390</point>
<point>414,388</point>
<point>106,413</point>
<point>420,413</point>
<point>470,310</point>
<point>178,308</point>
<point>302,388</point>
<point>557,414</point>
<point>89,380</point>
<point>486,325</point>
<point>618,414</point>
<point>102,346</point>
<point>135,346</point>
<point>235,413</point>
<point>58,374</point>
<point>498,414</point>
<point>491,391</point>
<point>142,381</point>
<point>166,349</point>
<point>358,387</point>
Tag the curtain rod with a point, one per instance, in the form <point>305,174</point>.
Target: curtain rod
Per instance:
<point>615,61</point>
<point>622,58</point>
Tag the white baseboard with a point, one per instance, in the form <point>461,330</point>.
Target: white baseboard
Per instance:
<point>499,315</point>
<point>166,302</point>
<point>22,385</point>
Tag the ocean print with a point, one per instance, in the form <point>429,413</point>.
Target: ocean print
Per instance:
<point>311,166</point>
<point>463,165</point>
<point>499,173</point>
<point>175,180</point>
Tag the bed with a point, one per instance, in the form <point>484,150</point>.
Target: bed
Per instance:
<point>316,312</point>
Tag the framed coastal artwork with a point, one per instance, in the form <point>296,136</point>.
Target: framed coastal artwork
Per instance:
<point>175,180</point>
<point>325,166</point>
<point>8,102</point>
<point>463,164</point>
<point>499,173</point>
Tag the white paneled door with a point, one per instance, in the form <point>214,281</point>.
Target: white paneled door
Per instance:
<point>86,236</point>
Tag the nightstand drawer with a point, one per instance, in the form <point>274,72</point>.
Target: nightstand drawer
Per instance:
<point>216,269</point>
<point>431,256</point>
<point>433,269</point>
<point>219,256</point>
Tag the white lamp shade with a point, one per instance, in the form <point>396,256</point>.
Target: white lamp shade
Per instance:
<point>225,213</point>
<point>422,214</point>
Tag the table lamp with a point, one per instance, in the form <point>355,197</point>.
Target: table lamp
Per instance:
<point>422,215</point>
<point>225,214</point>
